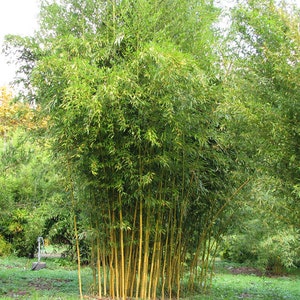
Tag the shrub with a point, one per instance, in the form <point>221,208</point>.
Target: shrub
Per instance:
<point>274,251</point>
<point>279,251</point>
<point>22,229</point>
<point>5,247</point>
<point>237,248</point>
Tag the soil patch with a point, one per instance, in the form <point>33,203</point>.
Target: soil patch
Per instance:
<point>244,295</point>
<point>17,294</point>
<point>47,284</point>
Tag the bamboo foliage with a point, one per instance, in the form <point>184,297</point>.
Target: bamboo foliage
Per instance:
<point>129,93</point>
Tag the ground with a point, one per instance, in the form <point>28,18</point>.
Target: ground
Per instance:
<point>60,281</point>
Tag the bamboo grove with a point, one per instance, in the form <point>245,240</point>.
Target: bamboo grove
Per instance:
<point>131,92</point>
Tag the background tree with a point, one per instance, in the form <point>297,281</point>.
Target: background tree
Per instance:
<point>262,109</point>
<point>13,114</point>
<point>30,184</point>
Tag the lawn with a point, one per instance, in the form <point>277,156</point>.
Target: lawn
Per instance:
<point>229,286</point>
<point>59,281</point>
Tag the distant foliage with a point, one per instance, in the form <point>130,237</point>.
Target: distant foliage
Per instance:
<point>262,114</point>
<point>30,189</point>
<point>5,247</point>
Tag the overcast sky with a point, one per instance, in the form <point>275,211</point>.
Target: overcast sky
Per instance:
<point>16,17</point>
<point>20,17</point>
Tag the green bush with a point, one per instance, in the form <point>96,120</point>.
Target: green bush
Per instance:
<point>5,247</point>
<point>31,191</point>
<point>273,251</point>
<point>22,229</point>
<point>237,248</point>
<point>279,251</point>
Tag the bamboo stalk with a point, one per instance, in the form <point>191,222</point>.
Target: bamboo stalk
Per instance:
<point>178,269</point>
<point>140,250</point>
<point>153,261</point>
<point>122,279</point>
<point>135,267</point>
<point>194,264</point>
<point>116,257</point>
<point>130,275</point>
<point>165,258</point>
<point>179,247</point>
<point>111,260</point>
<point>171,253</point>
<point>205,256</point>
<point>158,258</point>
<point>75,231</point>
<point>146,256</point>
<point>213,263</point>
<point>78,257</point>
<point>104,272</point>
<point>157,254</point>
<point>93,264</point>
<point>99,268</point>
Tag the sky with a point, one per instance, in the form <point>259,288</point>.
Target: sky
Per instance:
<point>21,17</point>
<point>16,17</point>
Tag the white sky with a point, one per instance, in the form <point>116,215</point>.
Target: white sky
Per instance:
<point>16,17</point>
<point>20,17</point>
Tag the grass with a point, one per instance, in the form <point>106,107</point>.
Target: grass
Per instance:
<point>59,281</point>
<point>226,286</point>
<point>229,286</point>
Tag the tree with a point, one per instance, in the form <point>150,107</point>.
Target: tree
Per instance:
<point>130,88</point>
<point>30,188</point>
<point>13,114</point>
<point>261,103</point>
